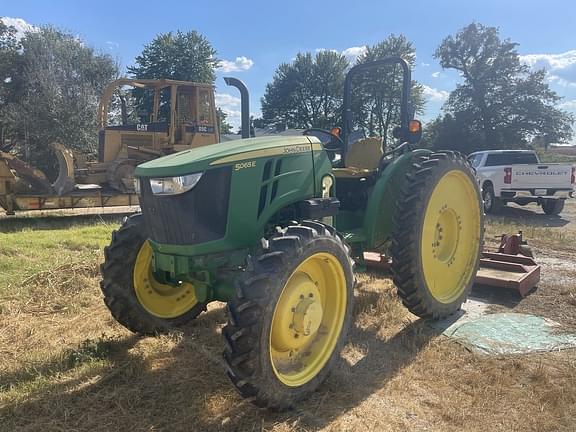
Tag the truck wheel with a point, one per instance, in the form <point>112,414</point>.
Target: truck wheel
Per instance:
<point>136,299</point>
<point>437,235</point>
<point>288,320</point>
<point>553,206</point>
<point>491,203</point>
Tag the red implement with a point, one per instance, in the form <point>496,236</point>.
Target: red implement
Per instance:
<point>512,267</point>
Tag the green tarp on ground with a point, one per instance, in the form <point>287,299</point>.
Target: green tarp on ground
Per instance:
<point>506,333</point>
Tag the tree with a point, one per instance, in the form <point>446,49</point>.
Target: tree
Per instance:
<point>59,81</point>
<point>224,126</point>
<point>307,92</point>
<point>503,103</point>
<point>9,57</point>
<point>376,100</point>
<point>179,56</point>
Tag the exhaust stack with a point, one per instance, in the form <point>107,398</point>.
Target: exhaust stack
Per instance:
<point>244,104</point>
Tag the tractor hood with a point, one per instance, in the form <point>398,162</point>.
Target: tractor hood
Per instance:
<point>202,158</point>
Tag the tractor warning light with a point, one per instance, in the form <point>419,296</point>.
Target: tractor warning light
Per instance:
<point>414,126</point>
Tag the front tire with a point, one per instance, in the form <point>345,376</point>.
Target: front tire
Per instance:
<point>288,320</point>
<point>437,235</point>
<point>135,299</point>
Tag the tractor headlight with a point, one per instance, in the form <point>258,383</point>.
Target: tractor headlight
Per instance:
<point>174,185</point>
<point>137,185</point>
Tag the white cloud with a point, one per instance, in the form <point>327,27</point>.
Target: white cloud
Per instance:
<point>233,117</point>
<point>226,100</point>
<point>561,67</point>
<point>435,94</point>
<point>550,61</point>
<point>230,105</point>
<point>559,81</point>
<point>569,105</point>
<point>112,45</point>
<point>424,64</point>
<point>240,64</point>
<point>353,53</point>
<point>20,25</point>
<point>435,74</point>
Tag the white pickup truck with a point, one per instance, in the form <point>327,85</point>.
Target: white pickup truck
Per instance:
<point>518,176</point>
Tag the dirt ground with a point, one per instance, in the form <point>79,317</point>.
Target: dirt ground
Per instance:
<point>65,365</point>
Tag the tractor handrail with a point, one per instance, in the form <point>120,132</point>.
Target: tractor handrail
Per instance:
<point>347,118</point>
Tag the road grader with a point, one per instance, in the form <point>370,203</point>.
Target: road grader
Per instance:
<point>182,116</point>
<point>275,226</point>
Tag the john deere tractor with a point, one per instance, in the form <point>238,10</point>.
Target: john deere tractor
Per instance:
<point>274,227</point>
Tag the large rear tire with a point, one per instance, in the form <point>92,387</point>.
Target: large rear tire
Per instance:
<point>288,320</point>
<point>437,235</point>
<point>134,297</point>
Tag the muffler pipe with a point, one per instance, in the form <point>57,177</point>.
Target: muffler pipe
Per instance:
<point>244,104</point>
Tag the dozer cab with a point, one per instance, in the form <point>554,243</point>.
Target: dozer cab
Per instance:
<point>275,227</point>
<point>182,116</point>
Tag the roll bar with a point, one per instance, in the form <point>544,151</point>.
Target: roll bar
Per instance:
<point>405,115</point>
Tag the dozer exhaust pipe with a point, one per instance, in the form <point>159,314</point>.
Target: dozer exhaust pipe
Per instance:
<point>244,103</point>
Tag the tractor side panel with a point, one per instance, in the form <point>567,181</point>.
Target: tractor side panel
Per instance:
<point>381,203</point>
<point>259,193</point>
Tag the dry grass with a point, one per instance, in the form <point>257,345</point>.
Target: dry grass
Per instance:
<point>66,365</point>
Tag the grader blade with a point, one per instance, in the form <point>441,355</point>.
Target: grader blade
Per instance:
<point>65,182</point>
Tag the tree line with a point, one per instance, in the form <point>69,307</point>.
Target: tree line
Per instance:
<point>51,81</point>
<point>500,102</point>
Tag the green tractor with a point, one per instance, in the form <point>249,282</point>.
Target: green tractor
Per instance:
<point>274,227</point>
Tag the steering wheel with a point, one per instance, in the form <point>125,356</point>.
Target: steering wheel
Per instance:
<point>339,144</point>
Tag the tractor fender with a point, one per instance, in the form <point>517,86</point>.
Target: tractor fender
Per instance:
<point>377,224</point>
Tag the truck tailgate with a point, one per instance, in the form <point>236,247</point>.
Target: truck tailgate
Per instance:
<point>550,176</point>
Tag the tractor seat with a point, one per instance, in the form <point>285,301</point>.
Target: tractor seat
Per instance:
<point>362,158</point>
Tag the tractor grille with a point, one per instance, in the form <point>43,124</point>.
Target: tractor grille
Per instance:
<point>197,216</point>
<point>137,140</point>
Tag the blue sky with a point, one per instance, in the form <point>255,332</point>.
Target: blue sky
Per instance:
<point>254,37</point>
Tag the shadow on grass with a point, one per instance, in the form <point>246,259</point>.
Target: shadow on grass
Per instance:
<point>186,388</point>
<point>529,215</point>
<point>64,222</point>
<point>506,297</point>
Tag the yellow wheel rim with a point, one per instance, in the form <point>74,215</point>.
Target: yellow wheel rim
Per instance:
<point>308,319</point>
<point>161,300</point>
<point>451,236</point>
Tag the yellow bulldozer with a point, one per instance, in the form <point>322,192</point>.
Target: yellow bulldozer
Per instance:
<point>182,116</point>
